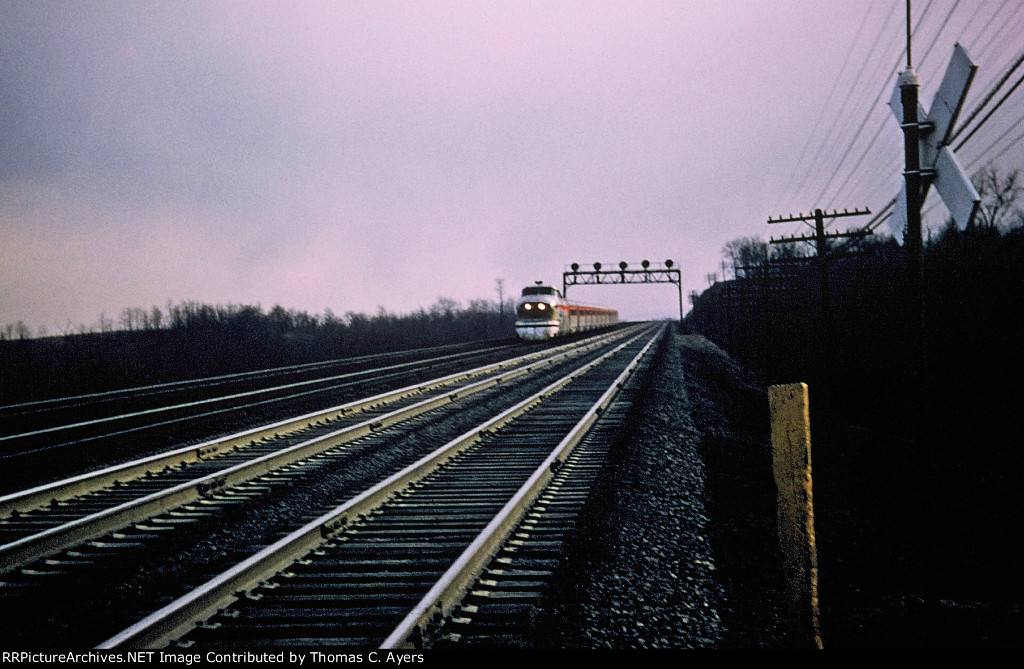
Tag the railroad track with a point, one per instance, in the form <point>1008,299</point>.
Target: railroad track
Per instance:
<point>37,521</point>
<point>87,429</point>
<point>387,567</point>
<point>156,499</point>
<point>35,411</point>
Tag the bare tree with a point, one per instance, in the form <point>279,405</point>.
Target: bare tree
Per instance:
<point>999,195</point>
<point>746,253</point>
<point>445,306</point>
<point>788,250</point>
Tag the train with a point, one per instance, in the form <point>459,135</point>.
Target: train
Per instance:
<point>542,313</point>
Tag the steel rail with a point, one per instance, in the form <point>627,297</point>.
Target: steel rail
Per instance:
<point>227,398</point>
<point>206,415</point>
<point>210,381</point>
<point>42,495</point>
<point>46,542</point>
<point>177,618</point>
<point>448,592</point>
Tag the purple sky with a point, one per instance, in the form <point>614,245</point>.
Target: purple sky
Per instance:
<point>352,155</point>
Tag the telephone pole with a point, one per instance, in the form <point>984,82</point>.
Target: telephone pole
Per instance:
<point>820,239</point>
<point>909,85</point>
<point>929,161</point>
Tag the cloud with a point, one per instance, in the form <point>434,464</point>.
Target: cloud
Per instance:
<point>350,155</point>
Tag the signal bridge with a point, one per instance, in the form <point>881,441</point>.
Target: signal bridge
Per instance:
<point>647,273</point>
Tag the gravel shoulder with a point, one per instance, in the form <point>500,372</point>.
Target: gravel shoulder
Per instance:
<point>677,547</point>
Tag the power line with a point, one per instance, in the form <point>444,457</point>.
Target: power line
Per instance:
<point>1006,15</point>
<point>993,17</point>
<point>938,32</point>
<point>1007,147</point>
<point>864,154</point>
<point>995,65</point>
<point>880,97</point>
<point>828,99</point>
<point>853,170</point>
<point>988,148</point>
<point>988,96</point>
<point>989,115</point>
<point>855,137</point>
<point>840,112</point>
<point>967,25</point>
<point>983,51</point>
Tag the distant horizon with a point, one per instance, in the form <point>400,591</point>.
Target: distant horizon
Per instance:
<point>115,318</point>
<point>348,155</point>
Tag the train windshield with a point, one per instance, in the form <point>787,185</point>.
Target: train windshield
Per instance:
<point>539,290</point>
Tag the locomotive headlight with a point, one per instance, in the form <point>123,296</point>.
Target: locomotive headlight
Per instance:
<point>527,306</point>
<point>541,306</point>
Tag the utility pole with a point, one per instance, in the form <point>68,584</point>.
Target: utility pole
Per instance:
<point>500,285</point>
<point>820,240</point>
<point>758,274</point>
<point>908,85</point>
<point>727,338</point>
<point>928,161</point>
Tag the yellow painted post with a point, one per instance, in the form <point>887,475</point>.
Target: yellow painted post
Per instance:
<point>791,448</point>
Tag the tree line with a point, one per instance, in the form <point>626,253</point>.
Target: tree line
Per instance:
<point>191,339</point>
<point>770,314</point>
<point>914,429</point>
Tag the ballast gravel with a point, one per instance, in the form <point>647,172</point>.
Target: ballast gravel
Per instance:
<point>644,571</point>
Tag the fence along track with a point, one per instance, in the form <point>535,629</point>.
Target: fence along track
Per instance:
<point>341,524</point>
<point>179,488</point>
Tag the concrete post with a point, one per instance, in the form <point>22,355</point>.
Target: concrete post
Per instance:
<point>791,449</point>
